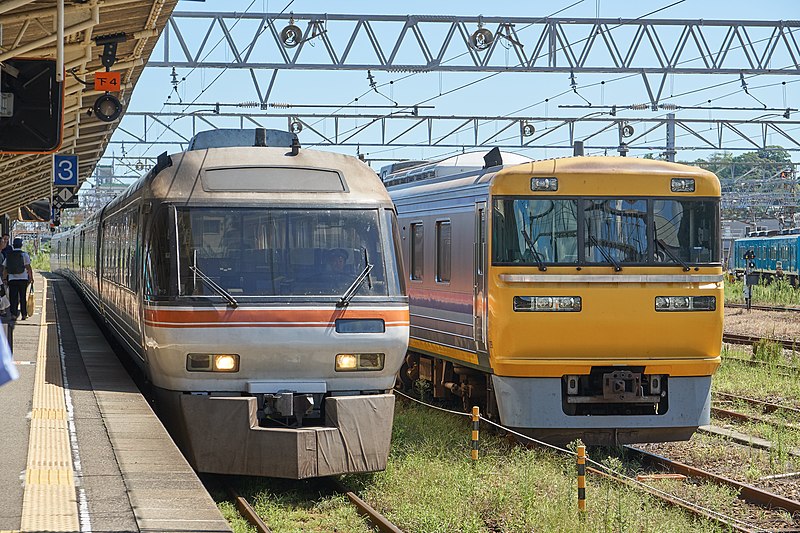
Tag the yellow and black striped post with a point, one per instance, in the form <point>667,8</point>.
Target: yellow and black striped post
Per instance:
<point>476,421</point>
<point>582,479</point>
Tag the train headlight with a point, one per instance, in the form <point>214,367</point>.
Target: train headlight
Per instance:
<point>544,184</point>
<point>704,303</point>
<point>206,362</point>
<point>679,302</point>
<point>682,185</point>
<point>226,363</point>
<point>350,362</point>
<point>547,303</point>
<point>346,361</point>
<point>686,303</point>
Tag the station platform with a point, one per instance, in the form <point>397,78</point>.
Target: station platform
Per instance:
<point>81,449</point>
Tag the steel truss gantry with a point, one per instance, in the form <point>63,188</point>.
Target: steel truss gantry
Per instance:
<point>413,130</point>
<point>432,43</point>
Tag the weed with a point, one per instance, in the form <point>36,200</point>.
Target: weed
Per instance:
<point>778,292</point>
<point>768,351</point>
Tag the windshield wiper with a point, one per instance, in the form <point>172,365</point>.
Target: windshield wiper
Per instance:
<point>617,267</point>
<point>536,255</point>
<point>351,290</point>
<point>672,256</point>
<point>214,285</point>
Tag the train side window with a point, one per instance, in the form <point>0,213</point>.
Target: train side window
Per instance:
<point>417,255</point>
<point>443,250</point>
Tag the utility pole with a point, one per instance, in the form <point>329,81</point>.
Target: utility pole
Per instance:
<point>670,152</point>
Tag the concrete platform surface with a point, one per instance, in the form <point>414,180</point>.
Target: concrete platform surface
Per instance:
<point>71,460</point>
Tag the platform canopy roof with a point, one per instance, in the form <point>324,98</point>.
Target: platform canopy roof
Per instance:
<point>28,30</point>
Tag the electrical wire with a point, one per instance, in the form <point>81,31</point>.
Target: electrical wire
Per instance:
<point>444,62</point>
<point>169,126</point>
<point>600,466</point>
<point>489,76</point>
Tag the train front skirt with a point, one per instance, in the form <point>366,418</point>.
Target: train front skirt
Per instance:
<point>221,435</point>
<point>534,406</point>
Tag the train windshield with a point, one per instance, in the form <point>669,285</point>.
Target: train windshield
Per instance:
<point>686,230</point>
<point>615,229</point>
<point>633,231</point>
<point>533,231</point>
<point>280,252</point>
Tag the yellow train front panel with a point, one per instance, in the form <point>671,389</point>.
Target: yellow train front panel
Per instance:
<point>617,323</point>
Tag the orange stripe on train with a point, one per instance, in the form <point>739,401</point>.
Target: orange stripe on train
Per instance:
<point>262,317</point>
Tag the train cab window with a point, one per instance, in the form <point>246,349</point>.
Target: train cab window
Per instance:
<point>532,231</point>
<point>395,256</point>
<point>686,230</point>
<point>249,252</point>
<point>443,250</point>
<point>615,229</point>
<point>417,251</point>
<point>159,280</point>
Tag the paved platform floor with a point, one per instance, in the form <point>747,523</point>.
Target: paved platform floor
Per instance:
<point>82,450</point>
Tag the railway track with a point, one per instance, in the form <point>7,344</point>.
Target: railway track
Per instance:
<point>764,307</point>
<point>747,493</point>
<point>787,370</point>
<point>766,407</point>
<point>742,417</point>
<point>734,338</point>
<point>376,519</point>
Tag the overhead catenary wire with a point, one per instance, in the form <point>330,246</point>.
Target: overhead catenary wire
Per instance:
<point>476,81</point>
<point>168,127</point>
<point>493,74</point>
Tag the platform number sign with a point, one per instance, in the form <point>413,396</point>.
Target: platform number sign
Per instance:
<point>65,170</point>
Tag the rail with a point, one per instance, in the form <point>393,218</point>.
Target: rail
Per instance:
<point>786,370</point>
<point>726,521</point>
<point>378,521</point>
<point>246,510</point>
<point>747,493</point>
<point>764,307</point>
<point>734,338</point>
<point>766,407</point>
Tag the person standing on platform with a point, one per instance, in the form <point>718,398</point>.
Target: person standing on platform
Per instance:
<point>5,247</point>
<point>17,273</point>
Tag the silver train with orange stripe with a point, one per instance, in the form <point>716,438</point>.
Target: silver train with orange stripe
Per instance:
<point>258,285</point>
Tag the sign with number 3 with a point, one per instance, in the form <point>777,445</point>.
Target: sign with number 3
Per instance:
<point>65,170</point>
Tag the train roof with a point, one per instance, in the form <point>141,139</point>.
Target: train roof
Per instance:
<point>470,163</point>
<point>207,173</point>
<point>791,234</point>
<point>598,175</point>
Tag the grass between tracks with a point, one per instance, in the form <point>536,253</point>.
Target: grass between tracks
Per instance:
<point>430,485</point>
<point>775,293</point>
<point>767,383</point>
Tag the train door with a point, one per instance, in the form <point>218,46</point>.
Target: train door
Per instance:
<point>479,277</point>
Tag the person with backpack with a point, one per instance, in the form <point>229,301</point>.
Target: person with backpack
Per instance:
<point>5,247</point>
<point>17,273</point>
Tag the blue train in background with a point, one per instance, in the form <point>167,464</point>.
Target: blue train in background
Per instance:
<point>776,255</point>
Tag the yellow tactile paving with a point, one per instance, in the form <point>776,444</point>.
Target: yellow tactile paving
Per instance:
<point>49,502</point>
<point>48,414</point>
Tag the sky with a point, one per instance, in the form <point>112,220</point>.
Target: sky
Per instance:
<point>507,94</point>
